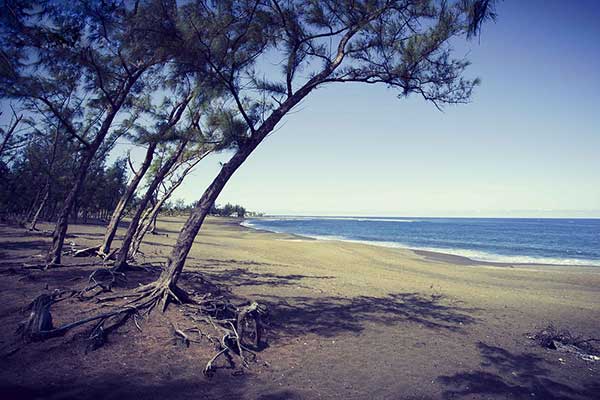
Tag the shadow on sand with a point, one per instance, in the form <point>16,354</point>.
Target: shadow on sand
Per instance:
<point>330,315</point>
<point>513,376</point>
<point>114,387</point>
<point>243,277</point>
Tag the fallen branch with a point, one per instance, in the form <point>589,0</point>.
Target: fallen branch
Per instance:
<point>87,252</point>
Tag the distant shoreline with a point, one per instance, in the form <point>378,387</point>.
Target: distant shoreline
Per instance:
<point>430,255</point>
<point>412,217</point>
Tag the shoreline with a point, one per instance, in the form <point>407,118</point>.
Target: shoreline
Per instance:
<point>415,327</point>
<point>429,255</point>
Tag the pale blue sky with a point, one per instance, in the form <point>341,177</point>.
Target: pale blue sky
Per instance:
<point>527,145</point>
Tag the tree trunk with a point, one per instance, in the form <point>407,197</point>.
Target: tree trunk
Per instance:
<point>185,240</point>
<point>40,208</point>
<point>153,222</point>
<point>142,229</point>
<point>51,212</point>
<point>123,253</point>
<point>192,226</point>
<point>117,214</point>
<point>62,223</point>
<point>9,133</point>
<point>150,217</point>
<point>35,201</point>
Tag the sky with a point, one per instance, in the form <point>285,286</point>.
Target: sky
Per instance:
<point>528,145</point>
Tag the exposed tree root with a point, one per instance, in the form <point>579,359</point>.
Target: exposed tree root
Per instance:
<point>39,326</point>
<point>106,257</point>
<point>44,267</point>
<point>235,331</point>
<point>102,280</point>
<point>238,328</point>
<point>93,251</point>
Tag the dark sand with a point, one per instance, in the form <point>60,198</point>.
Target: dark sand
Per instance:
<point>348,321</point>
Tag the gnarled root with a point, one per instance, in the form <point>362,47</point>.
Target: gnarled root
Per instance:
<point>250,323</point>
<point>39,319</point>
<point>39,325</point>
<point>102,280</point>
<point>237,325</point>
<point>238,329</point>
<point>111,255</point>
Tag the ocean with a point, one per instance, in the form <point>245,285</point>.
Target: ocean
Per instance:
<point>510,240</point>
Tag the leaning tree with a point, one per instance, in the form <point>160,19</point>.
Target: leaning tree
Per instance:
<point>205,130</point>
<point>216,130</point>
<point>168,186</point>
<point>168,163</point>
<point>405,45</point>
<point>160,132</point>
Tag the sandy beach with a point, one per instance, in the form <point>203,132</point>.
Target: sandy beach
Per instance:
<point>347,320</point>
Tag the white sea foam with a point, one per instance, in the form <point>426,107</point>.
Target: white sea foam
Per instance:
<point>252,225</point>
<point>360,219</point>
<point>471,254</point>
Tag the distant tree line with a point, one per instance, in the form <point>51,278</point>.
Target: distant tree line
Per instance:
<point>228,210</point>
<point>36,177</point>
<point>179,208</point>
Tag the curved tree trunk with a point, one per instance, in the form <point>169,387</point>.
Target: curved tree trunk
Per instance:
<point>9,133</point>
<point>117,214</point>
<point>28,216</point>
<point>122,255</point>
<point>185,240</point>
<point>154,218</point>
<point>48,182</point>
<point>145,217</point>
<point>180,251</point>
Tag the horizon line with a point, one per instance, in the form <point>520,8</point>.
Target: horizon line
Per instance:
<point>426,216</point>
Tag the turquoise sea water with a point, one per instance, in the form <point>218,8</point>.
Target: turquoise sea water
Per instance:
<point>512,240</point>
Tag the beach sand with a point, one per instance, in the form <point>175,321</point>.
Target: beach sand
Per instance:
<point>347,320</point>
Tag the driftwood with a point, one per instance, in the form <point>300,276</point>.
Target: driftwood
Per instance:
<point>565,341</point>
<point>39,320</point>
<point>87,252</point>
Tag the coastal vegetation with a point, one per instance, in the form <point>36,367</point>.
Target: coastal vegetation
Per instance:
<point>185,80</point>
